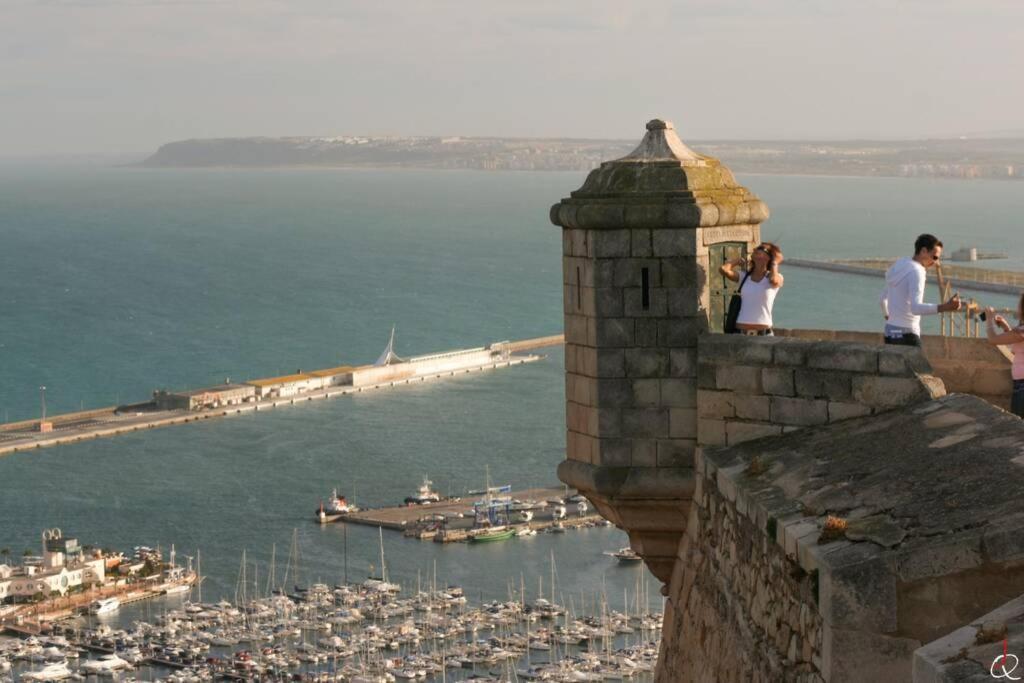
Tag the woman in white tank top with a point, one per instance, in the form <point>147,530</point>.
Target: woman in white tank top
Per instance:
<point>760,283</point>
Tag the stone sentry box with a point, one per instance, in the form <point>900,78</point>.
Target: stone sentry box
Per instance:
<point>642,240</point>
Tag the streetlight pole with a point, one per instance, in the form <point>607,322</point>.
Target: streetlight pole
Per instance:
<point>42,399</point>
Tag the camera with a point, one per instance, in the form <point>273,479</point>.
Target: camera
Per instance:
<point>983,316</point>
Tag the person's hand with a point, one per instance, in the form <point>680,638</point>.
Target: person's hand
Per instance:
<point>1001,323</point>
<point>953,304</point>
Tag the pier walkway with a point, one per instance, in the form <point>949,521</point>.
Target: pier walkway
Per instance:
<point>112,421</point>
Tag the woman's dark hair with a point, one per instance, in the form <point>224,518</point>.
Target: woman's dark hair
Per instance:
<point>926,241</point>
<point>773,251</point>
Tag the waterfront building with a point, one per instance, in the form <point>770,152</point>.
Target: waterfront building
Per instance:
<point>62,567</point>
<point>227,394</point>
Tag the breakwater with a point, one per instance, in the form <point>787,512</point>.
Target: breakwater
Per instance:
<point>293,390</point>
<point>982,279</point>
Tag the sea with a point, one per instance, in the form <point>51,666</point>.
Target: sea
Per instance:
<point>116,281</point>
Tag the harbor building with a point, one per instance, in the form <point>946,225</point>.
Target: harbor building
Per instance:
<point>286,385</point>
<point>63,566</point>
<point>335,377</point>
<point>200,399</point>
<point>820,507</point>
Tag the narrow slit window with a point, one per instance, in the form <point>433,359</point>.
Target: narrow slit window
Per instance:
<point>579,290</point>
<point>645,288</point>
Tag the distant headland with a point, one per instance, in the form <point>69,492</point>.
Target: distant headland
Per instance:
<point>963,158</point>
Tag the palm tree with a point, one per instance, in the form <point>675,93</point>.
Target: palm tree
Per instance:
<point>5,553</point>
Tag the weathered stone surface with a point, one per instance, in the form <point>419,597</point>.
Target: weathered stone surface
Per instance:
<point>830,384</point>
<point>739,378</point>
<point>843,356</point>
<point>888,392</point>
<point>647,362</point>
<point>778,381</point>
<point>879,529</point>
<point>799,411</point>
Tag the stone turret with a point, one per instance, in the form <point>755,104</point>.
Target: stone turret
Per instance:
<point>642,242</point>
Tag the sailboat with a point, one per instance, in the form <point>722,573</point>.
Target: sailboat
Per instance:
<point>487,531</point>
<point>381,585</point>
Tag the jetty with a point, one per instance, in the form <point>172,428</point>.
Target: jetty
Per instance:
<point>233,399</point>
<point>449,520</point>
<point>968,277</point>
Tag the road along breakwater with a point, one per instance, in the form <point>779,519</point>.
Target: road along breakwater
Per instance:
<point>231,399</point>
<point>981,279</point>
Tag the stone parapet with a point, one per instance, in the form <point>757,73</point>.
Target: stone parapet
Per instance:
<point>751,387</point>
<point>886,527</point>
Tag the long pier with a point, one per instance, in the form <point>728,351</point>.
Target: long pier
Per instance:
<point>115,420</point>
<point>980,279</point>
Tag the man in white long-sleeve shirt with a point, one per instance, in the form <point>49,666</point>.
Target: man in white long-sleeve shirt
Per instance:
<point>903,297</point>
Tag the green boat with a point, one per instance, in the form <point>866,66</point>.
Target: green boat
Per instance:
<point>488,535</point>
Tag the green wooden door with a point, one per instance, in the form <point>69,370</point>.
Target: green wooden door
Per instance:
<point>721,288</point>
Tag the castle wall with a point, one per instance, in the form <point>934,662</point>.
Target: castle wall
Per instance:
<point>750,387</point>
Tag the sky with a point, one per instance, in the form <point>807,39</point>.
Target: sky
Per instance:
<point>125,76</point>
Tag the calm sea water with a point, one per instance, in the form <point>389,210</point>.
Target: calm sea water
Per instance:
<point>114,282</point>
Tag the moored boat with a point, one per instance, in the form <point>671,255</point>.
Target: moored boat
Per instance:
<point>335,508</point>
<point>104,606</point>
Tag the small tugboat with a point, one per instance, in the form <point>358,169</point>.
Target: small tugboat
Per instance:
<point>424,495</point>
<point>626,555</point>
<point>336,508</point>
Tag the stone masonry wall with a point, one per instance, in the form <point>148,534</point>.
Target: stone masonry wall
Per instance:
<point>751,613</point>
<point>749,387</point>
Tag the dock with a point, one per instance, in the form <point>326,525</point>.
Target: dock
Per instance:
<point>421,521</point>
<point>116,420</point>
<point>980,279</point>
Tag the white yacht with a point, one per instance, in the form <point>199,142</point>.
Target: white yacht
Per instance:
<point>104,606</point>
<point>107,664</point>
<point>425,495</point>
<point>51,672</point>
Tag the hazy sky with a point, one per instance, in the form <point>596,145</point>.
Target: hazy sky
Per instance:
<point>124,76</point>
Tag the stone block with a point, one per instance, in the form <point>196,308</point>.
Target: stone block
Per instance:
<point>628,272</point>
<point>613,332</point>
<point>647,362</point>
<point>609,243</point>
<point>615,452</point>
<point>646,392</point>
<point>614,393</point>
<point>657,302</point>
<point>682,423</point>
<point>751,407</point>
<point>610,362</point>
<point>676,452</point>
<point>609,422</point>
<point>580,242</point>
<point>575,327</point>
<point>646,332</point>
<point>640,243</point>
<point>567,249</point>
<point>706,376</point>
<point>829,384</point>
<point>838,411</point>
<point>799,411</point>
<point>604,272</point>
<point>738,432</point>
<point>992,381</point>
<point>778,381</point>
<point>739,378</point>
<point>790,352</point>
<point>684,302</point>
<point>683,362</point>
<point>673,243</point>
<point>681,333</point>
<point>586,361</point>
<point>608,302</point>
<point>682,273</point>
<point>645,453</point>
<point>678,393</point>
<point>843,356</point>
<point>888,392</point>
<point>716,405</point>
<point>645,422</point>
<point>710,432</point>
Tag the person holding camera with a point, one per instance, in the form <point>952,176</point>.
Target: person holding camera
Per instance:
<point>1000,333</point>
<point>761,281</point>
<point>902,299</point>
